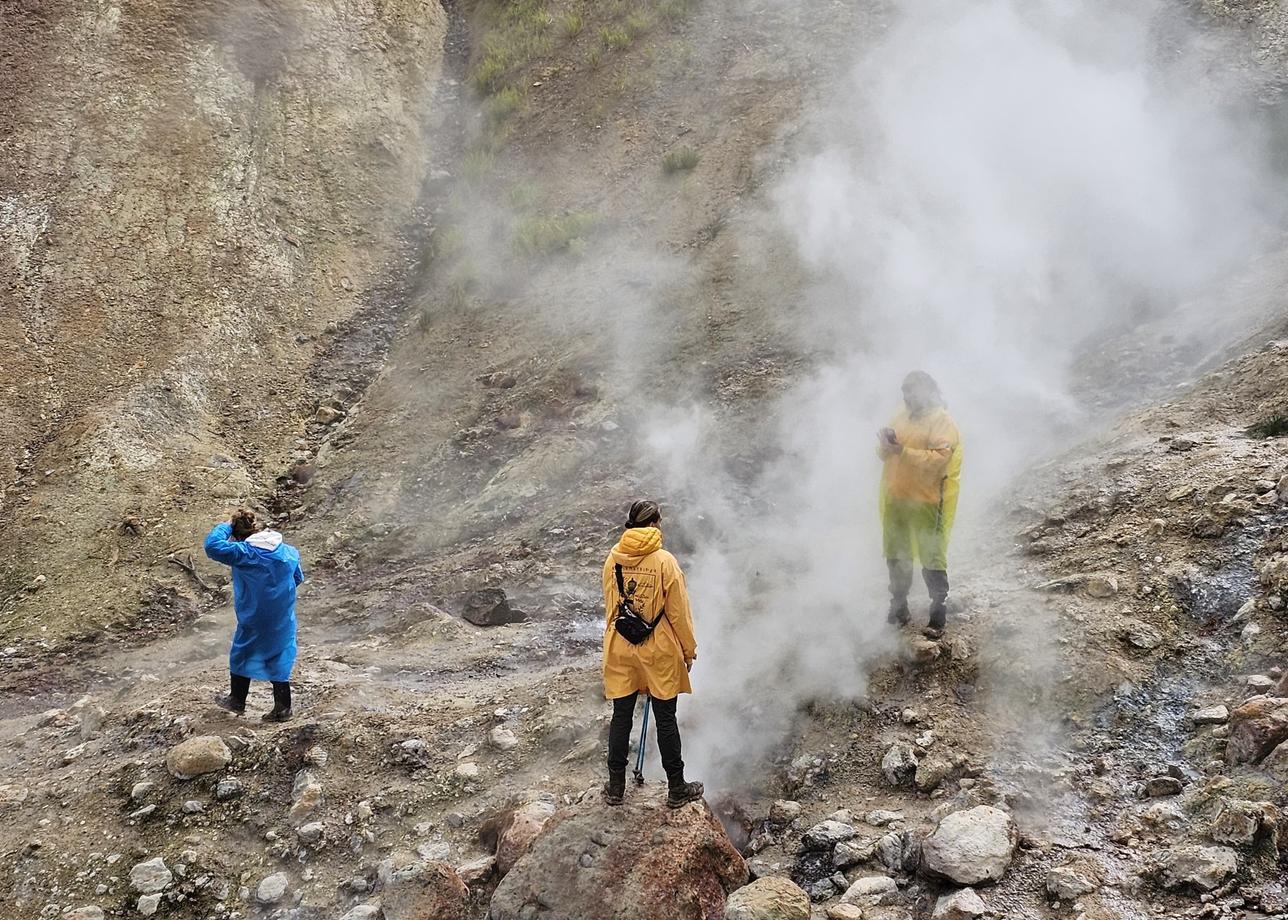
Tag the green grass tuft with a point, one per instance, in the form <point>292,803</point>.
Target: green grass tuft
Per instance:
<point>504,104</point>
<point>681,159</point>
<point>1276,426</point>
<point>538,236</point>
<point>615,38</point>
<point>571,24</point>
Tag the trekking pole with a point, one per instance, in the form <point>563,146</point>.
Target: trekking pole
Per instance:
<point>639,756</point>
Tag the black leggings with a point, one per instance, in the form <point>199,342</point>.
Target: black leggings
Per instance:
<point>241,687</point>
<point>668,736</point>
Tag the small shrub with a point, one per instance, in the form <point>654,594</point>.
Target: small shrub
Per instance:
<point>477,165</point>
<point>490,72</point>
<point>1276,426</point>
<point>571,25</point>
<point>536,236</point>
<point>594,59</point>
<point>524,196</point>
<point>673,12</point>
<point>638,23</point>
<point>682,159</point>
<point>504,104</point>
<point>615,38</point>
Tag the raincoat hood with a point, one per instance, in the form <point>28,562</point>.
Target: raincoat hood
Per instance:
<point>636,543</point>
<point>266,539</point>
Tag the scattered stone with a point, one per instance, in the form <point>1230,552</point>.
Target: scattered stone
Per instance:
<point>932,771</point>
<point>1182,444</point>
<point>1100,586</point>
<point>193,807</point>
<point>1212,715</point>
<point>1256,727</point>
<point>148,904</point>
<point>852,852</point>
<point>899,765</point>
<point>520,831</point>
<point>890,851</point>
<point>1259,683</point>
<point>960,905</point>
<point>772,898</point>
<point>871,891</point>
<point>142,790</point>
<point>1197,867</point>
<point>503,739</point>
<point>1140,635</point>
<point>328,415</point>
<point>923,651</point>
<point>1207,528</point>
<point>1241,822</point>
<point>827,834</point>
<point>198,756</point>
<point>489,607</point>
<point>1276,763</point>
<point>1072,881</point>
<point>151,876</point>
<point>784,812</point>
<point>228,788</point>
<point>89,912</point>
<point>306,797</point>
<point>845,912</point>
<point>477,871</point>
<point>272,888</point>
<point>363,912</point>
<point>1159,786</point>
<point>11,795</point>
<point>880,817</point>
<point>651,863</point>
<point>310,833</point>
<point>972,846</point>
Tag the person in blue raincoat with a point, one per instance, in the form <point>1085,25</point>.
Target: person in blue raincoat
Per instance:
<point>265,573</point>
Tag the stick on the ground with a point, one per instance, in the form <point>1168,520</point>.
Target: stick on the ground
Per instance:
<point>191,570</point>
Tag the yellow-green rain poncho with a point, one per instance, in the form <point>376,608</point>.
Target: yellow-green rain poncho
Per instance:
<point>657,666</point>
<point>919,487</point>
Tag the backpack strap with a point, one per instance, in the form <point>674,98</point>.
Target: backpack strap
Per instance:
<point>621,589</point>
<point>621,586</point>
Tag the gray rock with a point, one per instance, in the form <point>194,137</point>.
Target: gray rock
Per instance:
<point>1070,882</point>
<point>151,876</point>
<point>89,912</point>
<point>871,891</point>
<point>890,851</point>
<point>932,771</point>
<point>272,889</point>
<point>363,912</point>
<point>827,834</point>
<point>772,898</point>
<point>198,756</point>
<point>1140,635</point>
<point>880,817</point>
<point>1242,822</point>
<point>142,790</point>
<point>310,833</point>
<point>899,765</point>
<point>971,846</point>
<point>852,852</point>
<point>1196,867</point>
<point>1159,786</point>
<point>1212,715</point>
<point>489,607</point>
<point>960,905</point>
<point>148,904</point>
<point>503,739</point>
<point>784,812</point>
<point>193,807</point>
<point>228,788</point>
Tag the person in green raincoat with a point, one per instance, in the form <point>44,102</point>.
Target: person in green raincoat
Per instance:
<point>921,452</point>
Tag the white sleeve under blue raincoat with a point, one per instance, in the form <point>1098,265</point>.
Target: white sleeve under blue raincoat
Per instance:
<point>265,573</point>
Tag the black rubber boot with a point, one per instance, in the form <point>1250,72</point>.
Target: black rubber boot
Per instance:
<point>937,585</point>
<point>900,584</point>
<point>615,788</point>
<point>276,715</point>
<point>224,701</point>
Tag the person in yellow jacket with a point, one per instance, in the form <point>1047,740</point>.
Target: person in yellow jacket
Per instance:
<point>922,456</point>
<point>652,584</point>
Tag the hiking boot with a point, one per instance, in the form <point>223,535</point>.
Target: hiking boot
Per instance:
<point>933,632</point>
<point>615,789</point>
<point>276,715</point>
<point>683,794</point>
<point>225,702</point>
<point>898,615</point>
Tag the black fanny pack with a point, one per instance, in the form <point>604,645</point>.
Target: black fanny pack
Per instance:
<point>633,627</point>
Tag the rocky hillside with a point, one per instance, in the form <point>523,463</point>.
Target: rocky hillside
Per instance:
<point>415,283</point>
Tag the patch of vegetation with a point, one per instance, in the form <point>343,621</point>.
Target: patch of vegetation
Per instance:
<point>615,38</point>
<point>524,195</point>
<point>1276,426</point>
<point>594,59</point>
<point>638,23</point>
<point>476,165</point>
<point>681,159</point>
<point>570,25</point>
<point>538,236</point>
<point>520,32</point>
<point>673,12</point>
<point>504,104</point>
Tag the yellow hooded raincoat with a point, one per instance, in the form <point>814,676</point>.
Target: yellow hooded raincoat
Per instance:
<point>658,665</point>
<point>919,487</point>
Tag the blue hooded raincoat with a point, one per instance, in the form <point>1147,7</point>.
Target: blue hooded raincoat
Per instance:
<point>265,573</point>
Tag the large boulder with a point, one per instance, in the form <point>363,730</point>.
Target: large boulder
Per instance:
<point>519,831</point>
<point>772,898</point>
<point>643,860</point>
<point>1276,762</point>
<point>1198,868</point>
<point>490,607</point>
<point>413,889</point>
<point>198,756</point>
<point>972,846</point>
<point>1256,727</point>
